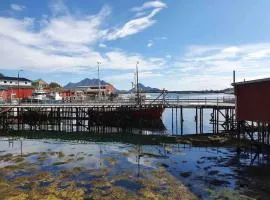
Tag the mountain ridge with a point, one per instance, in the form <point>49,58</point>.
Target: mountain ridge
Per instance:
<point>85,82</point>
<point>95,81</point>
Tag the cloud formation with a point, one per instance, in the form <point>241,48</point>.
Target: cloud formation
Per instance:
<point>149,5</point>
<point>143,20</point>
<point>211,66</point>
<point>67,42</point>
<point>17,7</point>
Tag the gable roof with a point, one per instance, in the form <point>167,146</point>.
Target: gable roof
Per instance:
<point>8,78</point>
<point>252,81</point>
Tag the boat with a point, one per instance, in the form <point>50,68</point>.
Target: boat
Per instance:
<point>39,95</point>
<point>55,96</point>
<point>128,114</point>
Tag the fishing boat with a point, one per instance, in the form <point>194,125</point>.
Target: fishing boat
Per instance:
<point>39,95</point>
<point>55,96</point>
<point>135,112</point>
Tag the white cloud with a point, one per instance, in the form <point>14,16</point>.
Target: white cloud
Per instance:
<point>154,40</point>
<point>169,56</point>
<point>17,7</point>
<point>58,8</point>
<point>102,45</point>
<point>211,66</point>
<point>132,27</point>
<point>139,14</point>
<point>148,5</point>
<point>62,42</point>
<point>80,30</point>
<point>139,24</point>
<point>150,43</point>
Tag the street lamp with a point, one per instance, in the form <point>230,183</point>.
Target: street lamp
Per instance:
<point>19,85</point>
<point>137,80</point>
<point>98,64</point>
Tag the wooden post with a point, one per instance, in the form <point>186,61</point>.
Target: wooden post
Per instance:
<point>182,120</point>
<point>213,120</point>
<point>196,120</point>
<point>172,120</point>
<point>202,120</point>
<point>176,121</point>
<point>218,120</point>
<point>18,118</point>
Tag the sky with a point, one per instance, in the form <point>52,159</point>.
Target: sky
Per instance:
<point>179,45</point>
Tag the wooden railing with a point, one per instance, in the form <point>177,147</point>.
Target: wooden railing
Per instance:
<point>132,102</point>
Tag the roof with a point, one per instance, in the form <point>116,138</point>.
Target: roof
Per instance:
<point>7,87</point>
<point>252,81</point>
<point>8,78</point>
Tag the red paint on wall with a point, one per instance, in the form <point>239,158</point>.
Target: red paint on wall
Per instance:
<point>19,93</point>
<point>253,101</point>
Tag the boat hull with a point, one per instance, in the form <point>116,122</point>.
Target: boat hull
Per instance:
<point>136,117</point>
<point>128,113</point>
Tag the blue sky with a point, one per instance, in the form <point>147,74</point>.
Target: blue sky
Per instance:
<point>180,45</point>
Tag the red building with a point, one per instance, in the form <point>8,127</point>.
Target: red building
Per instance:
<point>253,100</point>
<point>95,89</point>
<point>15,93</point>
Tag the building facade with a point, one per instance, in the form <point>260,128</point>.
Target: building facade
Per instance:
<point>13,82</point>
<point>94,89</point>
<point>14,88</point>
<point>253,100</point>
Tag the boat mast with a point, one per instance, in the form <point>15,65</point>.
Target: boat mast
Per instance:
<point>98,63</point>
<point>137,80</point>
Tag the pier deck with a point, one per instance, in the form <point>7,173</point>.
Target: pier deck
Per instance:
<point>168,103</point>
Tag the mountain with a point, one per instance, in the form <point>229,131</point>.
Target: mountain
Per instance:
<point>145,89</point>
<point>85,82</point>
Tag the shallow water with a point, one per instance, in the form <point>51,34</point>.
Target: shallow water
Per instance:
<point>65,165</point>
<point>127,169</point>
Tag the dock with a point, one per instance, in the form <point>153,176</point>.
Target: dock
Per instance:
<point>167,103</point>
<point>77,117</point>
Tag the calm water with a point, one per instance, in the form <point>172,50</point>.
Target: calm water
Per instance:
<point>81,168</point>
<point>206,172</point>
<point>173,124</point>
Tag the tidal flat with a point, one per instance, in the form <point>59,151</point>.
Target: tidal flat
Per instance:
<point>59,169</point>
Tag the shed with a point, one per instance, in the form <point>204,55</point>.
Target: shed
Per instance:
<point>253,100</point>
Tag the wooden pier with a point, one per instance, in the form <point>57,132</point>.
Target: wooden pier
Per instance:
<point>76,117</point>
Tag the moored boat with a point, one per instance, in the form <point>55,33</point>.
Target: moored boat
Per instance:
<point>136,112</point>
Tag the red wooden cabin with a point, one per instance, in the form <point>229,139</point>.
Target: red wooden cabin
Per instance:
<point>253,100</point>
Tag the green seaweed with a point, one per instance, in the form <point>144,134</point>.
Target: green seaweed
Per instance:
<point>225,193</point>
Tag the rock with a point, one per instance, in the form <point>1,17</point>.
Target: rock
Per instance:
<point>185,174</point>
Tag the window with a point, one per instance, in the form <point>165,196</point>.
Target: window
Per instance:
<point>5,81</point>
<point>25,82</point>
<point>10,81</point>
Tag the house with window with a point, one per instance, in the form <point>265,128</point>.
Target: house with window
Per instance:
<point>7,81</point>
<point>14,87</point>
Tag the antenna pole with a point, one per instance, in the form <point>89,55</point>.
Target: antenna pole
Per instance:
<point>233,81</point>
<point>98,63</point>
<point>137,80</point>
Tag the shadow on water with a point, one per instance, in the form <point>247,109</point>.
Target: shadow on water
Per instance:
<point>127,159</point>
<point>135,164</point>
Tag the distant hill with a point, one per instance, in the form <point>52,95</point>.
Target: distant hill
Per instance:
<point>85,82</point>
<point>145,89</point>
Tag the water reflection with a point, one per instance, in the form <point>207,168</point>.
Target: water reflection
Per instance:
<point>174,122</point>
<point>131,164</point>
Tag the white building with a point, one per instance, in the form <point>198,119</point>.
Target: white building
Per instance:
<point>13,82</point>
